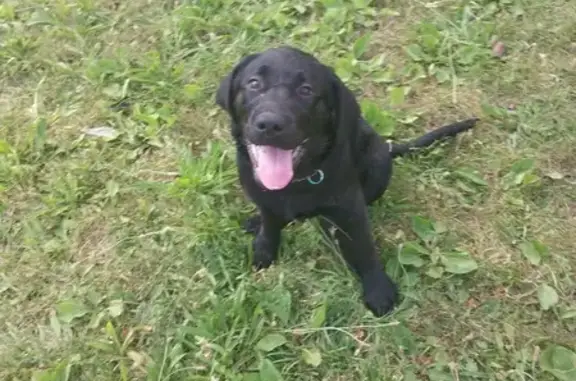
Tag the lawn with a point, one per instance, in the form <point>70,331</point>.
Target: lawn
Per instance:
<point>121,251</point>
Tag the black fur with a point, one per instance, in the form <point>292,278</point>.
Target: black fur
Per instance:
<point>328,126</point>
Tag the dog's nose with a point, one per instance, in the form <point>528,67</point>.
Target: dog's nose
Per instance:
<point>269,122</point>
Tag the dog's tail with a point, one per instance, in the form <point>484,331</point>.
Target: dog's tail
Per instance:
<point>401,149</point>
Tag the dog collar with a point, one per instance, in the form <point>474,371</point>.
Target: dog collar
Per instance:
<point>314,179</point>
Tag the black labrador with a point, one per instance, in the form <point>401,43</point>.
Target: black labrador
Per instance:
<point>304,150</point>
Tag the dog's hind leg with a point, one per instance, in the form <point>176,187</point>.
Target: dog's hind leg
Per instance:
<point>376,170</point>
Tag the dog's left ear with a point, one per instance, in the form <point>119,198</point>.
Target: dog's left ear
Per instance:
<point>347,111</point>
<point>227,89</point>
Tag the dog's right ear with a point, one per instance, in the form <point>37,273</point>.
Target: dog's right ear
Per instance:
<point>227,89</point>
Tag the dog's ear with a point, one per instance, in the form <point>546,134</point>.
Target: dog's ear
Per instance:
<point>346,110</point>
<point>227,89</point>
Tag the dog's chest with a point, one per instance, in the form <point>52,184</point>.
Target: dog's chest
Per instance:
<point>304,207</point>
<point>298,201</point>
<point>290,206</point>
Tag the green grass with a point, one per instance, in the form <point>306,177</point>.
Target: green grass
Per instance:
<point>123,258</point>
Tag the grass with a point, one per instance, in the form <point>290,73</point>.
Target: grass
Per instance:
<point>122,256</point>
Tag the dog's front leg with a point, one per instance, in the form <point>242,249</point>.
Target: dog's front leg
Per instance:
<point>267,241</point>
<point>354,235</point>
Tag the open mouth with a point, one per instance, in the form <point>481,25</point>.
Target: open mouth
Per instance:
<point>273,166</point>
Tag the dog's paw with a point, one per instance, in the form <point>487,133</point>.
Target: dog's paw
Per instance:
<point>380,294</point>
<point>264,253</point>
<point>252,224</point>
<point>261,261</point>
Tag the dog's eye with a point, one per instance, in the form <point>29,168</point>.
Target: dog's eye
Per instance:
<point>254,84</point>
<point>305,90</point>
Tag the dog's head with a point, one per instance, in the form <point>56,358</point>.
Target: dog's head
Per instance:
<point>287,109</point>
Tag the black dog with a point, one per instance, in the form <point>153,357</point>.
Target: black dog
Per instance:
<point>304,150</point>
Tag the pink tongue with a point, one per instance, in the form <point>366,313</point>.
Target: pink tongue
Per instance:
<point>273,166</point>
